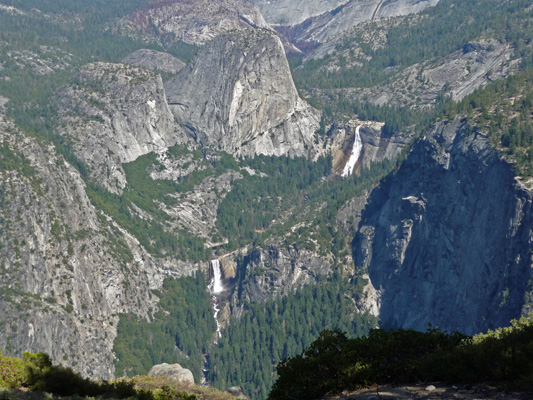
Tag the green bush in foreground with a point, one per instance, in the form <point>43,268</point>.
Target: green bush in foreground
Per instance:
<point>12,372</point>
<point>502,356</point>
<point>36,372</point>
<point>334,363</point>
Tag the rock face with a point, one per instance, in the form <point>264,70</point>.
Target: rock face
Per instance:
<point>113,114</point>
<point>172,371</point>
<point>376,145</point>
<point>196,21</point>
<point>267,272</point>
<point>238,95</point>
<point>66,272</point>
<point>292,12</point>
<point>446,240</point>
<point>325,27</point>
<point>154,60</point>
<point>196,212</point>
<point>456,75</point>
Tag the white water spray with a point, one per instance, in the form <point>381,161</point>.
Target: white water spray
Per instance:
<point>356,152</point>
<point>216,287</point>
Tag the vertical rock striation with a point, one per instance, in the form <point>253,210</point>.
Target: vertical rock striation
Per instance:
<point>292,12</point>
<point>238,95</point>
<point>66,270</point>
<point>114,113</point>
<point>327,26</point>
<point>447,239</point>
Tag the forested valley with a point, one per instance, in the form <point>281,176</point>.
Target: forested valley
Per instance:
<point>148,246</point>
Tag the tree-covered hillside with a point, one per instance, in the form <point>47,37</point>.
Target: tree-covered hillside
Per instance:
<point>254,344</point>
<point>503,110</point>
<point>418,38</point>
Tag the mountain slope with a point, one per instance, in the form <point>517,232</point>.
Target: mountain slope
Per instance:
<point>325,27</point>
<point>237,95</point>
<point>446,238</point>
<point>66,270</point>
<point>115,113</point>
<point>194,22</point>
<point>115,177</point>
<point>291,12</point>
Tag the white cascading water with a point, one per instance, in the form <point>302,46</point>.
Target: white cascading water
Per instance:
<point>356,152</point>
<point>217,277</point>
<point>216,287</point>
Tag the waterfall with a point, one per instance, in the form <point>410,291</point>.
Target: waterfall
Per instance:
<point>216,283</point>
<point>216,287</point>
<point>356,152</point>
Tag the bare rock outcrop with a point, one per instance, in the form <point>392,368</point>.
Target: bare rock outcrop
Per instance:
<point>376,145</point>
<point>154,60</point>
<point>446,238</point>
<point>456,76</point>
<point>196,211</point>
<point>237,392</point>
<point>66,271</point>
<point>238,95</point>
<point>113,114</point>
<point>174,372</point>
<point>292,12</point>
<point>325,27</point>
<point>268,272</point>
<point>196,21</point>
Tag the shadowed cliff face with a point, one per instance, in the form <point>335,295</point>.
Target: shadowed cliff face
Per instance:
<point>447,238</point>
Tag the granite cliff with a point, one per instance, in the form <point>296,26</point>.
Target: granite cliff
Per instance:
<point>154,60</point>
<point>129,182</point>
<point>446,239</point>
<point>420,85</point>
<point>325,27</point>
<point>267,272</point>
<point>237,95</point>
<point>375,146</point>
<point>194,22</point>
<point>293,12</point>
<point>66,270</point>
<point>114,113</point>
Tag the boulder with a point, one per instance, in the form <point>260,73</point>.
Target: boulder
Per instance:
<point>172,371</point>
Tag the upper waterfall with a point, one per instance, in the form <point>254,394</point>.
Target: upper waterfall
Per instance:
<point>356,152</point>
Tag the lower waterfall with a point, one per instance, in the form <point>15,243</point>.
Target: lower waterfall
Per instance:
<point>216,287</point>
